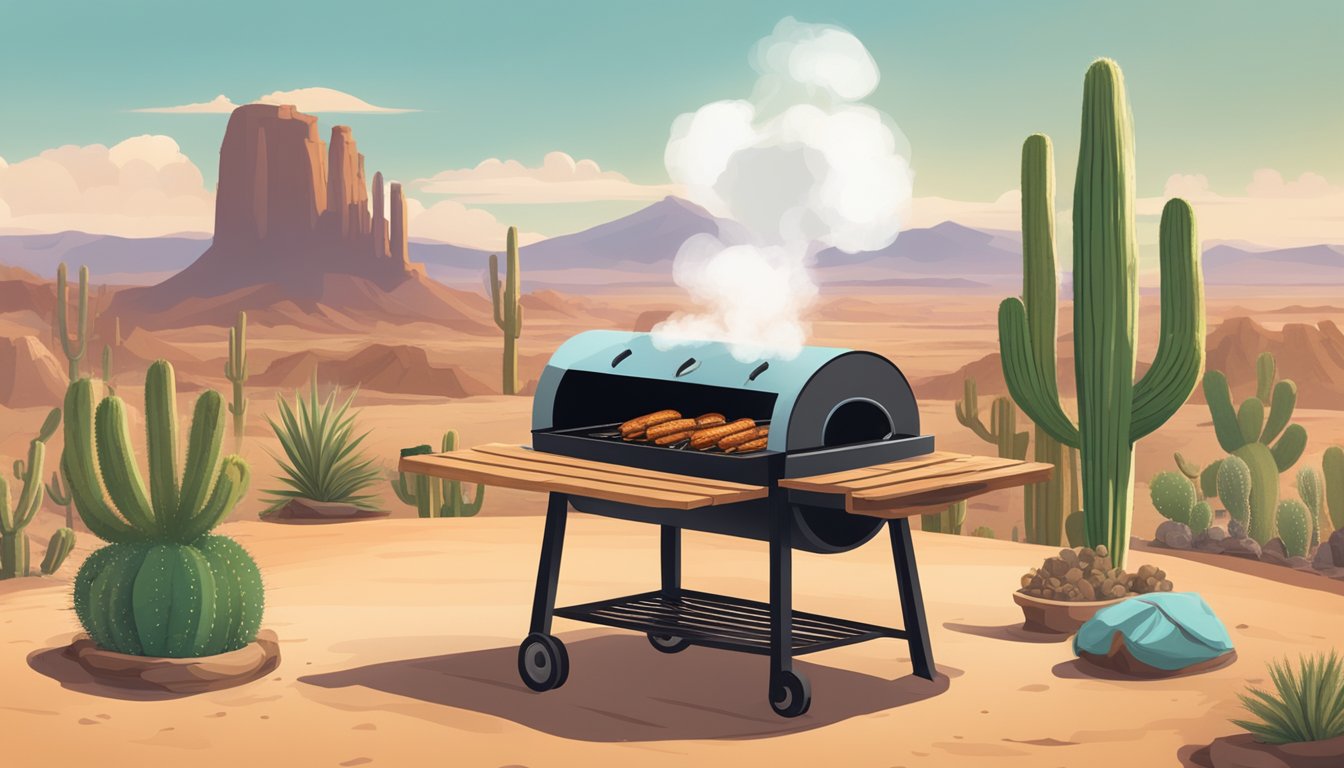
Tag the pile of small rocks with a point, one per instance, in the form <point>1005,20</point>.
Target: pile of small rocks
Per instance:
<point>1084,574</point>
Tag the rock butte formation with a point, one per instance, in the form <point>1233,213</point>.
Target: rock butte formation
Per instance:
<point>290,211</point>
<point>29,374</point>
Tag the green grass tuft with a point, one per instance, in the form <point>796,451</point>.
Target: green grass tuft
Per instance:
<point>1307,703</point>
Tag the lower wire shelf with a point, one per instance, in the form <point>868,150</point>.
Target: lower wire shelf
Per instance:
<point>719,621</point>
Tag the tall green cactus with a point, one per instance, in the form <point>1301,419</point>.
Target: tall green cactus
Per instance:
<point>74,348</point>
<point>1269,445</point>
<point>438,498</point>
<point>163,586</point>
<point>949,520</point>
<point>235,370</point>
<point>507,301</point>
<point>1332,471</point>
<point>1113,410</point>
<point>1048,504</point>
<point>15,518</point>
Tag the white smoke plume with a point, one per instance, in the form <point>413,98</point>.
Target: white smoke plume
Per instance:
<point>800,166</point>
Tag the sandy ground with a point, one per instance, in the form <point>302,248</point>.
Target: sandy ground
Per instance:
<point>399,646</point>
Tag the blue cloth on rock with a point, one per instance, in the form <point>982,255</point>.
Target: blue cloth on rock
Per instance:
<point>1166,630</point>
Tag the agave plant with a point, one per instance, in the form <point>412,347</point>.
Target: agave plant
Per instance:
<point>163,586</point>
<point>324,461</point>
<point>1307,703</point>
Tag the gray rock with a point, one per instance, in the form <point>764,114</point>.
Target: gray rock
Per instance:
<point>1274,552</point>
<point>1215,533</point>
<point>1210,540</point>
<point>1175,535</point>
<point>1236,529</point>
<point>1242,547</point>
<point>1324,558</point>
<point>1299,563</point>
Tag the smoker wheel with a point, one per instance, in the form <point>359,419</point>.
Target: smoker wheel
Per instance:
<point>543,662</point>
<point>669,643</point>
<point>790,694</point>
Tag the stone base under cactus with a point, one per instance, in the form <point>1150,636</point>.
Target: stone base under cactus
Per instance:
<point>1242,749</point>
<point>309,511</point>
<point>1058,617</point>
<point>208,673</point>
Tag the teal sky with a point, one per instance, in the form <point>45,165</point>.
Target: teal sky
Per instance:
<point>1217,88</point>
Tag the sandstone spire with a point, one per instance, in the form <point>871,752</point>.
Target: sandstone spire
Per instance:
<point>399,247</point>
<point>380,249</point>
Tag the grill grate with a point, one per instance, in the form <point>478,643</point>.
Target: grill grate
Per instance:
<point>718,621</point>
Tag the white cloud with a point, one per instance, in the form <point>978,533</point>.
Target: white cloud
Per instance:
<point>310,100</point>
<point>1269,211</point>
<point>559,179</point>
<point>141,187</point>
<point>221,104</point>
<point>449,221</point>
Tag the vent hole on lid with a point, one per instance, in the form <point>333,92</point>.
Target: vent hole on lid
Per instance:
<point>856,421</point>
<point>615,361</point>
<point>690,365</point>
<point>762,368</point>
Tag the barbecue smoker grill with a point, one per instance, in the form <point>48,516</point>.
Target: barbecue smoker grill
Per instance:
<point>829,410</point>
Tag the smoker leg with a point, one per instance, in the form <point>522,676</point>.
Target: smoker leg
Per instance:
<point>543,662</point>
<point>912,601</point>
<point>790,693</point>
<point>671,587</point>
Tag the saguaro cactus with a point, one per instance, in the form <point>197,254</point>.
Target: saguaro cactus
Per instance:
<point>60,494</point>
<point>508,309</point>
<point>235,370</point>
<point>74,348</point>
<point>14,519</point>
<point>163,586</point>
<point>1002,430</point>
<point>1113,410</point>
<point>1048,504</point>
<point>1246,432</point>
<point>949,520</point>
<point>438,498</point>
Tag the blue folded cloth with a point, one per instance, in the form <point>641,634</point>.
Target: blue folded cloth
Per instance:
<point>1166,630</point>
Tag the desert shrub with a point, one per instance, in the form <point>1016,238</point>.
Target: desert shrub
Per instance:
<point>322,457</point>
<point>1307,703</point>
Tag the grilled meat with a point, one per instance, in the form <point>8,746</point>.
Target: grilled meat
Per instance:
<point>669,428</point>
<point>637,427</point>
<point>707,438</point>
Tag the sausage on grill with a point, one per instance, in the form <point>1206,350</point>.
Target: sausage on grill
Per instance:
<point>739,439</point>
<point>710,420</point>
<point>707,438</point>
<point>666,428</point>
<point>675,437</point>
<point>754,445</point>
<point>636,427</point>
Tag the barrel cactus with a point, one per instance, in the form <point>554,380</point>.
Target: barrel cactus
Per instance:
<point>163,586</point>
<point>1114,411</point>
<point>1266,442</point>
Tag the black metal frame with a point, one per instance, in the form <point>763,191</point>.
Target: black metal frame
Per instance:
<point>688,617</point>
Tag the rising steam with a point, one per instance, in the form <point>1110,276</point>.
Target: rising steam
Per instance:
<point>801,166</point>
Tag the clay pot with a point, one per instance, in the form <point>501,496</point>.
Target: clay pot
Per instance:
<point>207,673</point>
<point>1058,617</point>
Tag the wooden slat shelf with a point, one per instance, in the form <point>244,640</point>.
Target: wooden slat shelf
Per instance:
<point>892,490</point>
<point>916,486</point>
<point>515,466</point>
